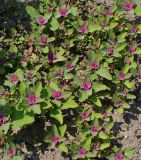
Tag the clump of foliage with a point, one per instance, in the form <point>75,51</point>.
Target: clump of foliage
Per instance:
<point>79,63</point>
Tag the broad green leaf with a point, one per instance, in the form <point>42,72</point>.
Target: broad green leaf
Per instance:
<point>36,108</point>
<point>20,73</point>
<point>93,28</point>
<point>22,89</point>
<point>87,143</point>
<point>48,15</point>
<point>4,128</point>
<point>75,60</point>
<point>113,25</point>
<point>50,39</point>
<point>74,11</point>
<point>17,158</point>
<point>128,84</point>
<point>54,86</point>
<point>109,126</point>
<point>96,115</point>
<point>121,37</point>
<point>38,89</point>
<point>103,72</point>
<point>45,105</point>
<point>83,96</point>
<point>69,104</point>
<point>131,96</point>
<point>120,110</point>
<point>45,49</point>
<point>8,83</point>
<point>91,154</point>
<point>62,130</point>
<point>13,48</point>
<point>102,135</point>
<point>99,87</point>
<point>55,130</point>
<point>26,119</point>
<point>96,101</point>
<point>54,24</point>
<point>138,10</point>
<point>32,11</point>
<point>57,114</point>
<point>119,47</point>
<point>125,105</point>
<point>63,148</point>
<point>104,145</point>
<point>129,151</point>
<point>59,58</point>
<point>114,7</point>
<point>68,76</point>
<point>125,68</point>
<point>48,137</point>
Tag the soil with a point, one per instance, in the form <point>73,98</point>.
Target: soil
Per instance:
<point>128,127</point>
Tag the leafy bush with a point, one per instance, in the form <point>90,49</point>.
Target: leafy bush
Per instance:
<point>79,63</point>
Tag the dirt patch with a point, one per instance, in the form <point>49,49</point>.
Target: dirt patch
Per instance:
<point>128,127</point>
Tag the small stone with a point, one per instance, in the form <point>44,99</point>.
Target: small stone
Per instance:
<point>139,151</point>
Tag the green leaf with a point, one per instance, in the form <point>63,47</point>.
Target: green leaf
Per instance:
<point>22,89</point>
<point>138,10</point>
<point>26,119</point>
<point>131,96</point>
<point>75,60</point>
<point>69,104</point>
<point>103,72</point>
<point>109,126</point>
<point>129,151</point>
<point>68,76</point>
<point>125,105</point>
<point>128,84</point>
<point>32,11</point>
<point>57,114</point>
<point>50,39</point>
<point>87,143</point>
<point>96,115</point>
<point>113,25</point>
<point>83,96</point>
<point>102,135</point>
<point>13,48</point>
<point>91,154</point>
<point>20,73</point>
<point>59,58</point>
<point>38,89</point>
<point>120,110</point>
<point>96,100</point>
<point>99,87</point>
<point>73,11</point>
<point>63,148</point>
<point>55,130</point>
<point>4,128</point>
<point>36,108</point>
<point>17,158</point>
<point>54,86</point>
<point>54,24</point>
<point>93,28</point>
<point>62,130</point>
<point>104,145</point>
<point>45,49</point>
<point>47,138</point>
<point>121,37</point>
<point>119,47</point>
